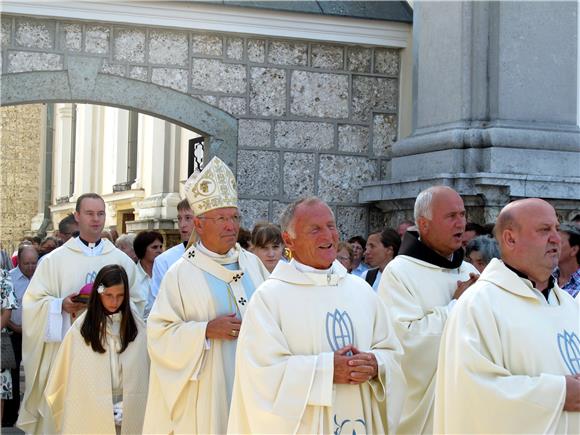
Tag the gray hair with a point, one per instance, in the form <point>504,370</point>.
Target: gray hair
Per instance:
<point>423,204</point>
<point>485,245</point>
<point>287,216</point>
<point>125,240</point>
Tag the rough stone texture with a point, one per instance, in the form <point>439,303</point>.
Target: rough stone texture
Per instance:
<point>19,61</point>
<point>216,76</point>
<point>377,220</point>
<point>298,175</point>
<point>258,173</point>
<point>5,30</point>
<point>256,50</point>
<point>319,95</point>
<point>288,53</point>
<point>234,105</point>
<point>254,133</point>
<point>387,61</point>
<point>327,56</point>
<point>209,99</point>
<point>171,77</point>
<point>112,68</point>
<point>97,39</point>
<point>34,33</point>
<point>384,133</point>
<point>385,169</point>
<point>277,208</point>
<point>340,177</point>
<point>168,48</point>
<point>20,153</point>
<point>373,94</point>
<point>351,221</point>
<point>235,48</point>
<point>304,135</point>
<point>252,211</point>
<point>210,45</point>
<point>267,91</point>
<point>358,59</point>
<point>138,73</point>
<point>129,45</point>
<point>73,37</point>
<point>353,138</point>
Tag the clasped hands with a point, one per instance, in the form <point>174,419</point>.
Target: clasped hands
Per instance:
<point>356,368</point>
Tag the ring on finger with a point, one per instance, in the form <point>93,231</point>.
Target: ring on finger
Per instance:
<point>234,333</point>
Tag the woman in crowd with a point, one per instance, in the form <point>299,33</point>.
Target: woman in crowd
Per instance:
<point>267,244</point>
<point>8,302</point>
<point>480,251</point>
<point>147,245</point>
<point>98,382</point>
<point>345,255</point>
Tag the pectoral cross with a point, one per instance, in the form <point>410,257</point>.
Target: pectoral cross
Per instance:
<point>242,301</point>
<point>191,254</point>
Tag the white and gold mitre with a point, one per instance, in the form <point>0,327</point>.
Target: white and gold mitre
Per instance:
<point>213,187</point>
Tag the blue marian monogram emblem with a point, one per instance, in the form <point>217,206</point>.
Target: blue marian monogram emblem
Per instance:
<point>569,345</point>
<point>351,427</point>
<point>90,278</point>
<point>339,330</point>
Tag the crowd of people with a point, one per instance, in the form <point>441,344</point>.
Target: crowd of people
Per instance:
<point>438,325</point>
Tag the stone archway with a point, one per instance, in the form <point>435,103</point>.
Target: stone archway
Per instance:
<point>82,82</point>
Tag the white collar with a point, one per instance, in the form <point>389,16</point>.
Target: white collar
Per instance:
<point>309,269</point>
<point>231,253</point>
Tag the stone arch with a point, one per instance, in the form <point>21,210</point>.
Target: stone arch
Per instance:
<point>82,82</point>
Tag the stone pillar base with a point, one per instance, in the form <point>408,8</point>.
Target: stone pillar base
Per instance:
<point>484,194</point>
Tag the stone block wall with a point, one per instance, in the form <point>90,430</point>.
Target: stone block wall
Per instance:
<point>314,118</point>
<point>20,145</point>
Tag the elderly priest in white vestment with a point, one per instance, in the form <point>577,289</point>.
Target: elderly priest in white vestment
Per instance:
<point>317,352</point>
<point>50,306</point>
<point>420,286</point>
<point>510,357</point>
<point>195,320</point>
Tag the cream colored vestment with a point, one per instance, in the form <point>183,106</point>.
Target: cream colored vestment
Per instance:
<point>503,358</point>
<point>285,361</point>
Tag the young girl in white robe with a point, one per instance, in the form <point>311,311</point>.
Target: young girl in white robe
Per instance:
<point>98,382</point>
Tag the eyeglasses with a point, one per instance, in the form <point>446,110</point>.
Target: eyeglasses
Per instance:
<point>343,258</point>
<point>221,220</point>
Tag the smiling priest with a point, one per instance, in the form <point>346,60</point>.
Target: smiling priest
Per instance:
<point>317,352</point>
<point>195,320</point>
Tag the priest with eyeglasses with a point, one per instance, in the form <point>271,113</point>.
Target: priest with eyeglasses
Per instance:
<point>194,323</point>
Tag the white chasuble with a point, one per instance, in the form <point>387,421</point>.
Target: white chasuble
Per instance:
<point>285,357</point>
<point>503,358</point>
<point>188,391</point>
<point>62,272</point>
<point>80,391</point>
<point>418,294</point>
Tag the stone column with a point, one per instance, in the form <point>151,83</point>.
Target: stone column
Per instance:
<point>495,107</point>
<point>86,157</point>
<point>62,148</point>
